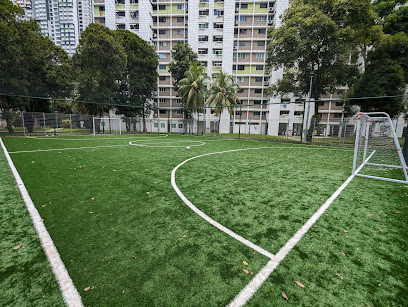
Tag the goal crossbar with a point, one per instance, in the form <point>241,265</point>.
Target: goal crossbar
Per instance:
<point>365,126</point>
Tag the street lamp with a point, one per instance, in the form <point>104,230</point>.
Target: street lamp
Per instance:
<point>308,106</point>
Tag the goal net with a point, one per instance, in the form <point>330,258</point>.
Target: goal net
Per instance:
<point>106,125</point>
<point>377,152</point>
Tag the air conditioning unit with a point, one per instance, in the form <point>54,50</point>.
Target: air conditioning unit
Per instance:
<point>154,35</point>
<point>266,83</point>
<point>235,48</point>
<point>270,22</point>
<point>271,9</point>
<point>236,10</point>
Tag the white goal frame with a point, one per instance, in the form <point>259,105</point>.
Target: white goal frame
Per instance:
<point>109,120</point>
<point>372,116</point>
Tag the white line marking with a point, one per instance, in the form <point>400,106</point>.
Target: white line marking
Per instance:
<point>93,138</point>
<point>69,292</point>
<point>246,293</point>
<point>165,146</point>
<point>210,220</point>
<point>73,148</point>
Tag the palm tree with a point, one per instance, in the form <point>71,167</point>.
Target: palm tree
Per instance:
<point>223,93</point>
<point>192,88</point>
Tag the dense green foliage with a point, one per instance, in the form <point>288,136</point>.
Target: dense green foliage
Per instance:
<point>126,233</point>
<point>26,277</point>
<point>30,64</point>
<point>182,55</point>
<point>193,86</point>
<point>223,93</point>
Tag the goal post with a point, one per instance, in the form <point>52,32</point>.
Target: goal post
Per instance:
<point>106,125</point>
<point>377,152</point>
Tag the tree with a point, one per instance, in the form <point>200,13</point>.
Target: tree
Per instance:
<point>223,94</point>
<point>182,55</point>
<point>385,75</point>
<point>30,64</point>
<point>139,79</point>
<point>99,62</point>
<point>385,8</point>
<point>316,36</point>
<point>397,21</point>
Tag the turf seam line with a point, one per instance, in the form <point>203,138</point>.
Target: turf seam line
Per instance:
<point>69,292</point>
<point>250,289</point>
<point>72,148</point>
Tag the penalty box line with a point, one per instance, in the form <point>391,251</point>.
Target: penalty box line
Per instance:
<point>68,290</point>
<point>252,287</point>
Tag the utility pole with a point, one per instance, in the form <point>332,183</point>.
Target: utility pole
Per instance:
<point>308,105</point>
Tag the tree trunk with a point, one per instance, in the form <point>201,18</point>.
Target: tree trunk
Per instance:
<point>10,126</point>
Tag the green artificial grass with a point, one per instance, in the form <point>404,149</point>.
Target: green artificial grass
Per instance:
<point>26,278</point>
<point>122,230</point>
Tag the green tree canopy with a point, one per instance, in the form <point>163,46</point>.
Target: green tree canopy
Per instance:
<point>99,61</point>
<point>192,88</point>
<point>182,55</point>
<point>223,93</point>
<point>385,75</point>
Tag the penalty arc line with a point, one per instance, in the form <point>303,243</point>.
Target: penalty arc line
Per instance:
<point>252,287</point>
<point>68,290</point>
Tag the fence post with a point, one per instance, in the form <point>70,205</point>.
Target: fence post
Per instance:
<point>22,117</point>
<point>198,121</point>
<point>249,128</point>
<point>70,122</point>
<point>45,127</point>
<point>239,126</point>
<point>53,116</point>
<point>313,131</point>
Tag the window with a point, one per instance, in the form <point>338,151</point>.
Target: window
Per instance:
<point>217,39</point>
<point>180,19</point>
<point>217,64</point>
<point>204,13</point>
<point>240,79</point>
<point>204,63</point>
<point>261,43</point>
<point>180,6</point>
<point>163,125</point>
<point>156,125</point>
<point>242,31</point>
<point>241,55</point>
<point>162,89</point>
<point>257,113</point>
<point>244,5</point>
<point>173,125</point>
<point>238,113</point>
<point>240,91</point>
<point>203,25</point>
<point>178,101</point>
<point>203,38</point>
<point>258,91</point>
<point>260,55</point>
<point>120,14</point>
<point>261,31</point>
<point>134,27</point>
<point>162,7</point>
<point>162,19</point>
<point>262,18</point>
<point>243,18</point>
<point>337,115</point>
<point>339,104</point>
<point>162,100</point>
<point>120,26</point>
<point>162,44</point>
<point>180,32</point>
<point>162,31</point>
<point>218,13</point>
<point>238,67</point>
<point>134,1</point>
<point>179,112</point>
<point>217,51</point>
<point>258,79</point>
<point>162,55</point>
<point>298,113</point>
<point>203,51</point>
<point>257,101</point>
<point>217,25</point>
<point>180,125</point>
<point>259,67</point>
<point>162,66</point>
<point>162,78</point>
<point>263,5</point>
<point>284,112</point>
<point>242,44</point>
<point>162,111</point>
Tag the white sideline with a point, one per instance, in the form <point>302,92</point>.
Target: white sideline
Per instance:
<point>246,293</point>
<point>68,290</point>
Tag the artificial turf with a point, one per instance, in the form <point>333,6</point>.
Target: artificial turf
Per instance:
<point>122,230</point>
<point>26,278</point>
